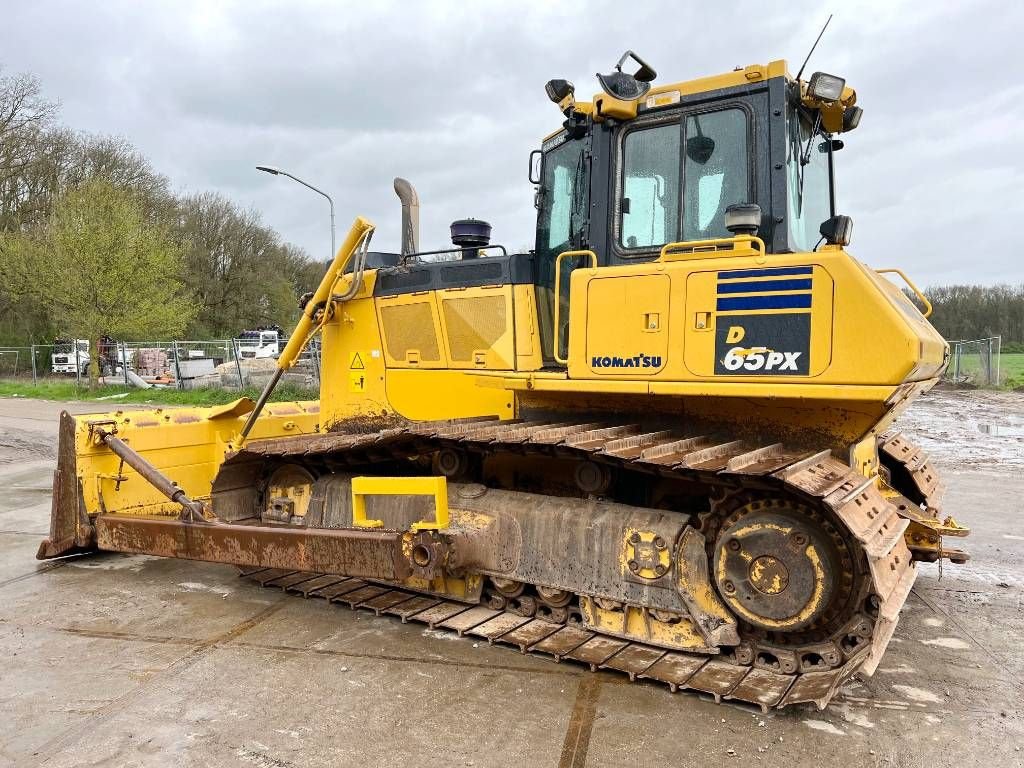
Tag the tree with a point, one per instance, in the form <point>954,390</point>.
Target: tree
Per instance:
<point>237,268</point>
<point>103,266</point>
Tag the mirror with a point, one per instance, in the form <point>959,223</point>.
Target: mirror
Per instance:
<point>534,168</point>
<point>700,148</point>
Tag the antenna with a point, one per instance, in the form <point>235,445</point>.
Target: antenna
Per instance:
<point>813,47</point>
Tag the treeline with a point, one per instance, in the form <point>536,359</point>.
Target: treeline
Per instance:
<point>964,312</point>
<point>223,270</point>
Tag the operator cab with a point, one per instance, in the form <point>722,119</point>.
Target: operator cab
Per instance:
<point>639,168</point>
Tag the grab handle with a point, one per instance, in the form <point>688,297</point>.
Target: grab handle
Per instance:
<point>914,288</point>
<point>558,294</point>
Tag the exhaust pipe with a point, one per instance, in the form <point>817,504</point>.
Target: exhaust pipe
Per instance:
<point>410,216</point>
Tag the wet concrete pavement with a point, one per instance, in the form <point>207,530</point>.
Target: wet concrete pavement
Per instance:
<point>118,660</point>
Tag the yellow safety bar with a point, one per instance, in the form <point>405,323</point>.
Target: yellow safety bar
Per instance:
<point>400,486</point>
<point>558,294</point>
<point>700,249</point>
<point>914,288</point>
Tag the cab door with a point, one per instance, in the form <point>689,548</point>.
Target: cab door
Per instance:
<point>561,226</point>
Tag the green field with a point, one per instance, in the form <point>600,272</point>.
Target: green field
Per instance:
<point>1011,370</point>
<point>68,390</point>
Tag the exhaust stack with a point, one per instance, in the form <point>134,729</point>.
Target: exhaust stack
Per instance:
<point>410,216</point>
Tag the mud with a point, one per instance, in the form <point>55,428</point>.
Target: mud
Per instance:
<point>969,429</point>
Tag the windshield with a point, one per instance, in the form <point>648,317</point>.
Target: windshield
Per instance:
<point>561,218</point>
<point>809,184</point>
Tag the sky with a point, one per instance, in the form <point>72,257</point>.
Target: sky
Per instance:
<point>450,95</point>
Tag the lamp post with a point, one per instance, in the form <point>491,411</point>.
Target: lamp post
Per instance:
<point>278,172</point>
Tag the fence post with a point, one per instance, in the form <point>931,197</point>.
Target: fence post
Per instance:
<point>177,367</point>
<point>124,362</point>
<point>956,363</point>
<point>238,363</point>
<point>78,364</point>
<point>999,354</point>
<point>33,354</point>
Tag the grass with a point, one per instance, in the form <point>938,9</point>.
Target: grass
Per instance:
<point>1011,369</point>
<point>69,390</point>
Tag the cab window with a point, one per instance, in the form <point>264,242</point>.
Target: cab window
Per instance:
<point>716,171</point>
<point>677,180</point>
<point>650,187</point>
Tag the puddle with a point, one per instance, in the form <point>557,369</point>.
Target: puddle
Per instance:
<point>948,642</point>
<point>918,694</point>
<point>825,727</point>
<point>1001,430</point>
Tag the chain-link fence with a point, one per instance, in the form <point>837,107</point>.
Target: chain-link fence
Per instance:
<point>974,362</point>
<point>181,364</point>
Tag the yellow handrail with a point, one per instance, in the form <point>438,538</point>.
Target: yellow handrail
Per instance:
<point>914,288</point>
<point>558,294</point>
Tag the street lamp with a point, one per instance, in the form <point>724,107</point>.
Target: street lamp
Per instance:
<point>278,172</point>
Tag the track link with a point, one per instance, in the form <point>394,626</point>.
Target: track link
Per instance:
<point>777,679</point>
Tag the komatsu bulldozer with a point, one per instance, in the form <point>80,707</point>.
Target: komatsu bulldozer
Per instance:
<point>659,443</point>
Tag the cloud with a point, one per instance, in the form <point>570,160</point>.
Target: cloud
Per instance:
<point>450,95</point>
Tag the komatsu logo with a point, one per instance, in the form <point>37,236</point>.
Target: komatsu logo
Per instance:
<point>637,361</point>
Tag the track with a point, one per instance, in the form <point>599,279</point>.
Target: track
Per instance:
<point>761,671</point>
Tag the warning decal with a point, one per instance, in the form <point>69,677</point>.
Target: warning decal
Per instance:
<point>357,362</point>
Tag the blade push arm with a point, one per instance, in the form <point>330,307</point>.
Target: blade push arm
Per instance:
<point>355,244</point>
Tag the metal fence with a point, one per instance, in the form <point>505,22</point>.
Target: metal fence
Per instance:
<point>180,364</point>
<point>975,362</point>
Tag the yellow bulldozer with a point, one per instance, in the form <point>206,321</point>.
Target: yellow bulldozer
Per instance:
<point>658,443</point>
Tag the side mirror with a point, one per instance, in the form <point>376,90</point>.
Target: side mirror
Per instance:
<point>837,230</point>
<point>534,171</point>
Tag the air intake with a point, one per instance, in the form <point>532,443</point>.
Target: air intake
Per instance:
<point>471,235</point>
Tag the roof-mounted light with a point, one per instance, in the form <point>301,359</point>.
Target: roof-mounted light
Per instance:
<point>825,87</point>
<point>558,90</point>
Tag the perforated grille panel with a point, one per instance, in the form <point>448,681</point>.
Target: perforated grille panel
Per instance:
<point>474,324</point>
<point>410,327</point>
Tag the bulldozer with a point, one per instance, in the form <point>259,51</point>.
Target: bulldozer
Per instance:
<point>660,443</point>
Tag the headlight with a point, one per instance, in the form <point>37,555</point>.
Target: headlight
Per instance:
<point>826,87</point>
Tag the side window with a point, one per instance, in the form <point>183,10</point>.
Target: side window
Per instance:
<point>561,201</point>
<point>716,171</point>
<point>650,187</point>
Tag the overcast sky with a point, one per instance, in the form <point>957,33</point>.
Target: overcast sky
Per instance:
<point>451,96</point>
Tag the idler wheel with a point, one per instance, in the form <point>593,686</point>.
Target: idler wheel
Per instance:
<point>776,569</point>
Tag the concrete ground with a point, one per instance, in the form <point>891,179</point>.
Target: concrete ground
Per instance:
<point>117,660</point>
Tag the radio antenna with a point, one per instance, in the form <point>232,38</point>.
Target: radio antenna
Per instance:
<point>813,47</point>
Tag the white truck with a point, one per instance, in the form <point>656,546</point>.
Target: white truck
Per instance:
<point>64,360</point>
<point>261,342</point>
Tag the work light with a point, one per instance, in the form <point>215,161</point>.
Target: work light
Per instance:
<point>826,87</point>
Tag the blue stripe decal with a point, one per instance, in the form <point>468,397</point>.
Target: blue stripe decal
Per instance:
<point>794,301</point>
<point>773,272</point>
<point>760,286</point>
